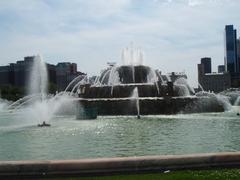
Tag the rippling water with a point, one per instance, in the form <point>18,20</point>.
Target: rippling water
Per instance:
<point>68,138</point>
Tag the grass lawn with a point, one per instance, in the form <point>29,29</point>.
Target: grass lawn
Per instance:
<point>224,174</point>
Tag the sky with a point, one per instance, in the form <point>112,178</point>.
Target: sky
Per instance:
<point>174,34</point>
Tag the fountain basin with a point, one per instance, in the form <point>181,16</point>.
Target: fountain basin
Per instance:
<point>147,106</point>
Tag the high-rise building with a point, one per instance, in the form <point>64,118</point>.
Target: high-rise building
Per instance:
<point>22,71</point>
<point>65,73</point>
<point>216,82</point>
<point>4,75</point>
<point>18,74</point>
<point>207,64</point>
<point>230,57</point>
<point>238,53</point>
<point>221,68</point>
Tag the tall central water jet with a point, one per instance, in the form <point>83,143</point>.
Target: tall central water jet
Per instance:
<point>132,56</point>
<point>38,81</point>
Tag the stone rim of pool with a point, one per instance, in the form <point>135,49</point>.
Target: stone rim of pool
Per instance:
<point>124,165</point>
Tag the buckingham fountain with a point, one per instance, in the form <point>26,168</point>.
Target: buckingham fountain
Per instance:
<point>136,89</point>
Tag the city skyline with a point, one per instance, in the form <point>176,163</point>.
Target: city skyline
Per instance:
<point>174,34</point>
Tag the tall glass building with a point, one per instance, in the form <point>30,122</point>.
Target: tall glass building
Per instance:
<point>230,57</point>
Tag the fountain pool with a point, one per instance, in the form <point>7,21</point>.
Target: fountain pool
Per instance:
<point>67,138</point>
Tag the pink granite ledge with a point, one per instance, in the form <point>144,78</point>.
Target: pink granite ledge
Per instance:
<point>125,165</point>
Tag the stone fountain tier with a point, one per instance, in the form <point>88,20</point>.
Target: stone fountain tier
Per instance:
<point>91,108</point>
<point>134,74</point>
<point>125,91</point>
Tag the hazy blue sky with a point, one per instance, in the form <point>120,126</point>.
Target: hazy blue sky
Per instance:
<point>174,34</point>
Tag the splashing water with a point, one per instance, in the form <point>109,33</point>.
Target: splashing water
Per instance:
<point>219,98</point>
<point>224,101</point>
<point>113,77</point>
<point>236,103</point>
<point>38,81</point>
<point>132,56</point>
<point>135,96</point>
<point>45,110</point>
<point>3,104</point>
<point>38,106</point>
<point>186,89</point>
<point>83,81</point>
<point>200,87</point>
<point>75,80</point>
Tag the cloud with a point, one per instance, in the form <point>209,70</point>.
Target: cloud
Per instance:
<point>210,2</point>
<point>194,2</point>
<point>173,34</point>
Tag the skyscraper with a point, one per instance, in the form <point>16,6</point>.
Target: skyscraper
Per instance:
<point>238,53</point>
<point>207,65</point>
<point>221,68</point>
<point>230,57</point>
<point>209,81</point>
